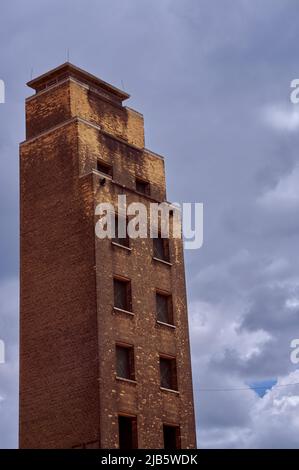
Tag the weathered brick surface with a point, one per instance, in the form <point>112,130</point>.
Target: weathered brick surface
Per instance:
<point>58,383</point>
<point>69,394</point>
<point>69,99</point>
<point>145,399</point>
<point>48,109</point>
<point>119,121</point>
<point>128,162</point>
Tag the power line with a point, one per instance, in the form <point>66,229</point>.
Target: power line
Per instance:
<point>244,388</point>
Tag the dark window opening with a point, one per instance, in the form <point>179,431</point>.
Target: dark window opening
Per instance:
<point>125,362</point>
<point>143,186</point>
<point>121,224</point>
<point>122,294</point>
<point>161,248</point>
<point>164,308</point>
<point>168,373</point>
<point>172,437</point>
<point>104,168</point>
<point>127,431</point>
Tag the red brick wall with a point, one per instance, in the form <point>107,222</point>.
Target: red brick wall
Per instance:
<point>145,399</point>
<point>69,392</point>
<point>59,358</point>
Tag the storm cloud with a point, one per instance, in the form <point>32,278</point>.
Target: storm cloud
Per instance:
<point>212,79</point>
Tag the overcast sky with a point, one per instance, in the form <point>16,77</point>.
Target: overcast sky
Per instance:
<point>212,78</point>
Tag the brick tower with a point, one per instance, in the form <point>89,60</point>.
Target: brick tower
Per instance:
<point>104,347</point>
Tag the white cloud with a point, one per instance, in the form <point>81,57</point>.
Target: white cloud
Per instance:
<point>216,329</point>
<point>284,194</point>
<point>229,353</point>
<point>292,303</point>
<point>275,417</point>
<point>272,421</point>
<point>281,118</point>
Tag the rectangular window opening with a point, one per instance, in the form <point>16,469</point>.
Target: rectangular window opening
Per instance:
<point>127,431</point>
<point>104,168</point>
<point>161,248</point>
<point>164,308</point>
<point>172,437</point>
<point>143,186</point>
<point>121,224</point>
<point>125,368</point>
<point>168,373</point>
<point>122,294</point>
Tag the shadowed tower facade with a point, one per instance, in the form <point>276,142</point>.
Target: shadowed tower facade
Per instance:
<point>104,343</point>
